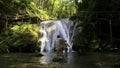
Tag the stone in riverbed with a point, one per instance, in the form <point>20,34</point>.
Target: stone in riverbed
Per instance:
<point>59,59</point>
<point>39,55</point>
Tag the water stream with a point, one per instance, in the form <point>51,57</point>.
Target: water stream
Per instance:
<point>29,60</point>
<point>50,30</point>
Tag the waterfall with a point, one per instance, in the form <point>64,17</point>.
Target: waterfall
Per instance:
<point>50,30</point>
<point>74,29</point>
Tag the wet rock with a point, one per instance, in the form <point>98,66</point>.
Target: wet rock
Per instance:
<point>59,59</point>
<point>39,55</point>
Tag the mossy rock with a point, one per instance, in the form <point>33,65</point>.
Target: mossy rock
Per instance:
<point>59,59</point>
<point>39,55</point>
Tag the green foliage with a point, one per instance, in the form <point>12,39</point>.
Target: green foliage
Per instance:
<point>4,41</point>
<point>22,38</point>
<point>44,9</point>
<point>32,10</point>
<point>3,47</point>
<point>57,8</point>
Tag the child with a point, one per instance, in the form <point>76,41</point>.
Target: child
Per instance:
<point>60,45</point>
<point>65,46</point>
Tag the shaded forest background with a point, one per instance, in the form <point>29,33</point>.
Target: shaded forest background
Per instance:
<point>101,25</point>
<point>19,20</point>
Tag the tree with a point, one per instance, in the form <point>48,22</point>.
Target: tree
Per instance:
<point>104,14</point>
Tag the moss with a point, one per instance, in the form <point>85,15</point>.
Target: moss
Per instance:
<point>22,37</point>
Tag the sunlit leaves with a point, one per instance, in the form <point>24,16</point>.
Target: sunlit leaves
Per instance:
<point>32,10</point>
<point>56,8</point>
<point>20,36</point>
<point>26,28</point>
<point>44,9</point>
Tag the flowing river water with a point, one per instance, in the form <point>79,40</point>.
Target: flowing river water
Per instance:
<point>29,60</point>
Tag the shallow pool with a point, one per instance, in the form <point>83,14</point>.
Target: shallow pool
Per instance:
<point>29,60</point>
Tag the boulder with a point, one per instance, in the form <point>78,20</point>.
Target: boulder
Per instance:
<point>59,59</point>
<point>39,55</point>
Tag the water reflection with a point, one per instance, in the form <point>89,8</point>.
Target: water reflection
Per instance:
<point>28,60</point>
<point>47,58</point>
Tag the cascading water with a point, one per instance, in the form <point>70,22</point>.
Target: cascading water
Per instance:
<point>74,29</point>
<point>51,29</point>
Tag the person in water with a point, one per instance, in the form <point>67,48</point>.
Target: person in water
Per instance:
<point>61,45</point>
<point>66,46</point>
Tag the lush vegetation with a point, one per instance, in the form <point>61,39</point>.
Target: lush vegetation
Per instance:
<point>17,31</point>
<point>47,9</point>
<point>20,38</point>
<point>101,24</point>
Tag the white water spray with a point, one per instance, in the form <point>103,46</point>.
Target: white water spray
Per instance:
<point>51,29</point>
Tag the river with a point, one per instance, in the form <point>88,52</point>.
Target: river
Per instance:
<point>29,60</point>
